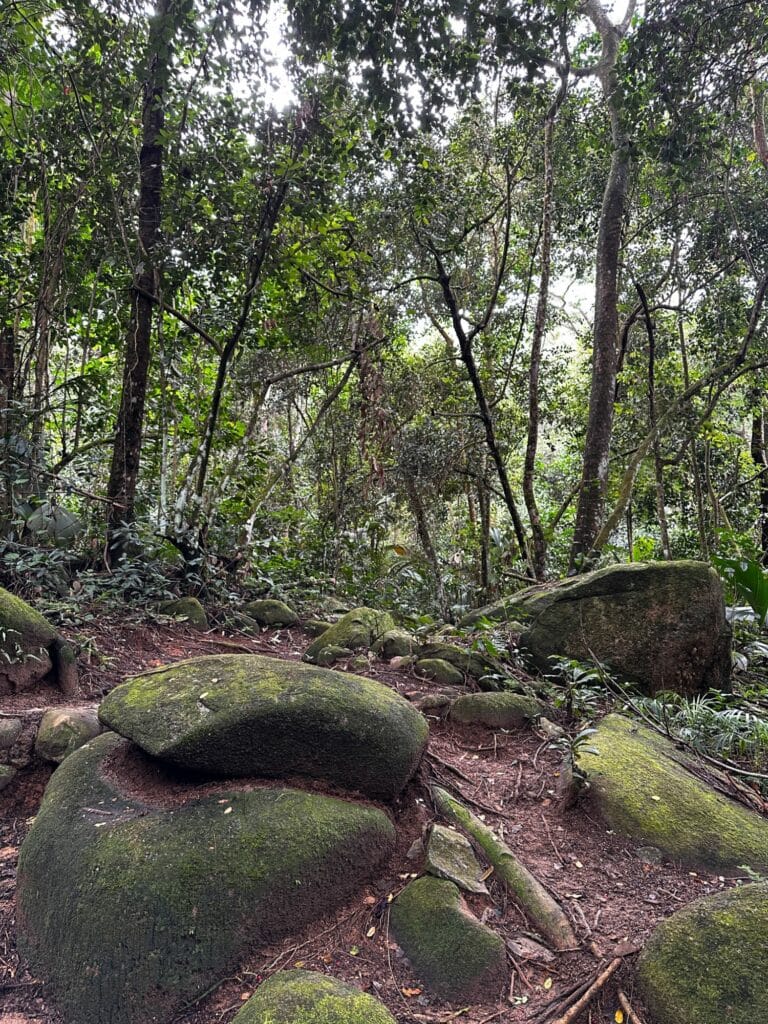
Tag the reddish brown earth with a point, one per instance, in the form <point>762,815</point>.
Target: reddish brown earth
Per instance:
<point>613,899</point>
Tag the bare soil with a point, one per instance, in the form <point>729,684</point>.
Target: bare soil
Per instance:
<point>613,896</point>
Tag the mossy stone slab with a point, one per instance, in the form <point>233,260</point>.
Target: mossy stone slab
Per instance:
<point>450,855</point>
<point>129,910</point>
<point>456,956</point>
<point>306,997</point>
<point>244,714</point>
<point>271,612</point>
<point>496,710</point>
<point>64,730</point>
<point>357,630</point>
<point>642,790</point>
<point>659,624</point>
<point>707,963</point>
<point>31,649</point>
<point>469,663</point>
<point>189,609</point>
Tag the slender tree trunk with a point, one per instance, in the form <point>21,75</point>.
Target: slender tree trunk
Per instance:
<point>758,451</point>
<point>661,510</point>
<point>425,539</point>
<point>605,347</point>
<point>124,472</point>
<point>7,397</point>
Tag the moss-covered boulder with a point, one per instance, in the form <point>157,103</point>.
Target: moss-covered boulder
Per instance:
<point>188,609</point>
<point>357,630</point>
<point>496,710</point>
<point>129,909</point>
<point>10,730</point>
<point>455,955</point>
<point>31,649</point>
<point>64,730</point>
<point>328,656</point>
<point>395,643</point>
<point>316,627</point>
<point>469,663</point>
<point>707,963</point>
<point>439,671</point>
<point>306,997</point>
<point>243,714</point>
<point>271,612</point>
<point>659,624</point>
<point>641,789</point>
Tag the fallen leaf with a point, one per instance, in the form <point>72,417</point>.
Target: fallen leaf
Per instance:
<point>618,1017</point>
<point>354,950</point>
<point>548,984</point>
<point>411,992</point>
<point>371,932</point>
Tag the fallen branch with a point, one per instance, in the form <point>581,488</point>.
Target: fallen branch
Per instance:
<point>543,910</point>
<point>633,1017</point>
<point>581,1004</point>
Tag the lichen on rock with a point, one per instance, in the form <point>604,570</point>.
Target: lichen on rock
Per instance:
<point>641,788</point>
<point>706,963</point>
<point>306,997</point>
<point>31,649</point>
<point>64,730</point>
<point>241,714</point>
<point>496,710</point>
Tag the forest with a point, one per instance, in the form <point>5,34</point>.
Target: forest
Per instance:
<point>383,511</point>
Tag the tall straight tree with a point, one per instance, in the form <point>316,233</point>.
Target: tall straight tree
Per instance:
<point>126,454</point>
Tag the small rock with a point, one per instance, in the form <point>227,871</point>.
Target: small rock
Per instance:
<point>395,643</point>
<point>496,710</point>
<point>328,656</point>
<point>63,730</point>
<point>7,775</point>
<point>450,855</point>
<point>649,854</point>
<point>359,663</point>
<point>307,997</point>
<point>187,608</point>
<point>551,730</point>
<point>10,730</point>
<point>315,627</point>
<point>527,949</point>
<point>459,958</point>
<point>439,671</point>
<point>270,612</point>
<point>469,663</point>
<point>439,702</point>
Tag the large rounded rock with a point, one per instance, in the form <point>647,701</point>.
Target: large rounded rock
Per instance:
<point>31,649</point>
<point>659,624</point>
<point>129,908</point>
<point>706,964</point>
<point>642,789</point>
<point>496,710</point>
<point>458,957</point>
<point>242,714</point>
<point>305,997</point>
<point>358,630</point>
<point>63,730</point>
<point>271,612</point>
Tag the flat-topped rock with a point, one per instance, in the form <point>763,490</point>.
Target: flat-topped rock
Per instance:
<point>641,788</point>
<point>659,624</point>
<point>244,714</point>
<point>129,908</point>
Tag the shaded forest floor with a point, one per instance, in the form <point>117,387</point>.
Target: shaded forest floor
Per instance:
<point>612,895</point>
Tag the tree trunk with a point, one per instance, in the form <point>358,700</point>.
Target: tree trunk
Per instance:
<point>597,445</point>
<point>758,451</point>
<point>126,454</point>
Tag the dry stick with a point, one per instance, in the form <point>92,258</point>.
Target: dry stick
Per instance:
<point>581,1004</point>
<point>446,764</point>
<point>633,1017</point>
<point>529,892</point>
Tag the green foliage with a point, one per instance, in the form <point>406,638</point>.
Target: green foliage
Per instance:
<point>749,581</point>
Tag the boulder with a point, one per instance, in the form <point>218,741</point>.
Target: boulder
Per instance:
<point>641,788</point>
<point>357,630</point>
<point>306,997</point>
<point>7,775</point>
<point>187,608</point>
<point>31,649</point>
<point>63,730</point>
<point>706,964</point>
<point>496,710</point>
<point>315,627</point>
<point>328,656</point>
<point>130,908</point>
<point>10,730</point>
<point>661,625</point>
<point>395,643</point>
<point>439,671</point>
<point>455,955</point>
<point>270,612</point>
<point>450,855</point>
<point>244,714</point>
<point>469,663</point>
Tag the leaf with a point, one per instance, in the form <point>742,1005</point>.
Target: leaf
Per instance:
<point>371,932</point>
<point>618,1017</point>
<point>411,992</point>
<point>354,950</point>
<point>548,984</point>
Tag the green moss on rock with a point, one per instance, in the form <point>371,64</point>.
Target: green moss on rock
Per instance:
<point>469,663</point>
<point>271,612</point>
<point>706,964</point>
<point>641,790</point>
<point>187,608</point>
<point>456,956</point>
<point>496,710</point>
<point>395,643</point>
<point>357,630</point>
<point>660,624</point>
<point>30,649</point>
<point>439,671</point>
<point>245,714</point>
<point>305,997</point>
<point>7,775</point>
<point>64,730</point>
<point>129,911</point>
